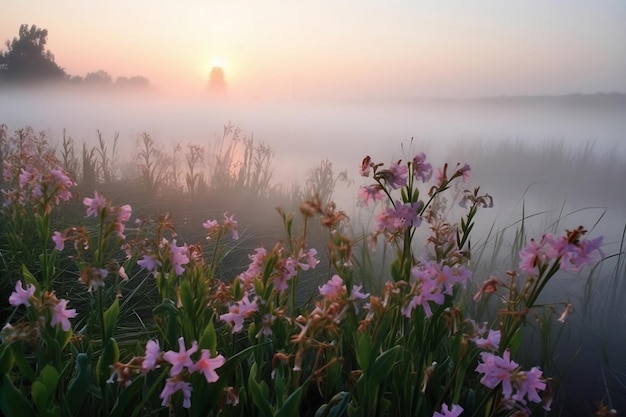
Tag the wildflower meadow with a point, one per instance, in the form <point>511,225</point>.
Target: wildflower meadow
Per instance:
<point>109,311</point>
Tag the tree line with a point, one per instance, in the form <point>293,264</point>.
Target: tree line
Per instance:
<point>28,61</point>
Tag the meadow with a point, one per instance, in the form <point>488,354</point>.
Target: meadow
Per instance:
<point>169,283</point>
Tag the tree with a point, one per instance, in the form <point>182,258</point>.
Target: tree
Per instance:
<point>217,81</point>
<point>27,59</point>
<point>135,82</point>
<point>98,78</point>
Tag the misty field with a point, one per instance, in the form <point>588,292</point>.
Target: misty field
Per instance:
<point>163,280</point>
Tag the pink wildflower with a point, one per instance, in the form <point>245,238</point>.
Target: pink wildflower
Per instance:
<point>208,365</point>
<point>334,288</point>
<point>60,315</point>
<point>491,342</point>
<point>464,171</point>
<point>231,224</point>
<point>566,312</point>
<point>396,175</point>
<point>371,193</point>
<point>366,166</point>
<point>213,228</point>
<point>535,254</point>
<point>310,261</point>
<point>397,219</point>
<point>529,383</point>
<point>422,169</point>
<point>94,205</point>
<point>497,370</point>
<point>239,311</point>
<point>179,257</point>
<point>24,178</point>
<point>149,263</point>
<point>182,358</point>
<point>21,295</point>
<point>172,385</point>
<point>453,411</point>
<point>153,351</point>
<point>122,273</point>
<point>256,266</point>
<point>59,241</point>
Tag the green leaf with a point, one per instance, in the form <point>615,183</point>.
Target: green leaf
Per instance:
<point>291,407</point>
<point>13,402</point>
<point>79,385</point>
<point>110,355</point>
<point>48,379</point>
<point>336,407</point>
<point>208,340</point>
<point>364,349</point>
<point>110,318</point>
<point>6,359</point>
<point>260,393</point>
<point>29,278</point>
<point>187,300</point>
<point>383,365</point>
<point>22,363</point>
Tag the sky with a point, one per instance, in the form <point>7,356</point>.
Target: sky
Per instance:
<point>342,48</point>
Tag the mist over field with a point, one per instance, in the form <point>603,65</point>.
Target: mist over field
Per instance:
<point>559,161</point>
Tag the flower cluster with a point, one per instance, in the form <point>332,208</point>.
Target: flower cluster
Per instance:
<point>46,307</point>
<point>182,366</point>
<point>572,252</point>
<point>34,175</point>
<point>518,386</point>
<point>90,249</point>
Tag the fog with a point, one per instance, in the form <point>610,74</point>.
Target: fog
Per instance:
<point>551,159</point>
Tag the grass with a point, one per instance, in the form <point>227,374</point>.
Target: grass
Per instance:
<point>208,193</point>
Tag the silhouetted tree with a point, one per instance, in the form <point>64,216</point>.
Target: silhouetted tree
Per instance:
<point>27,59</point>
<point>98,78</point>
<point>217,81</point>
<point>133,82</point>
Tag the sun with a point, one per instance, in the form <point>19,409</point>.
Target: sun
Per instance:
<point>219,62</point>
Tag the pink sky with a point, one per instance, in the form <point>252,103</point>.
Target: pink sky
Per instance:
<point>346,48</point>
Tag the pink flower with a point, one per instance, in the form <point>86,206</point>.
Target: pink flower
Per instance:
<point>24,178</point>
<point>171,386</point>
<point>60,315</point>
<point>208,365</point>
<point>59,241</point>
<point>182,358</point>
<point>149,263</point>
<point>153,351</point>
<point>239,311</point>
<point>397,219</point>
<point>396,175</point>
<point>334,288</point>
<point>535,254</point>
<point>212,227</point>
<point>454,411</point>
<point>123,215</point>
<point>464,171</point>
<point>530,383</point>
<point>122,273</point>
<point>179,257</point>
<point>310,261</point>
<point>491,342</point>
<point>231,224</point>
<point>366,166</point>
<point>256,266</point>
<point>94,205</point>
<point>371,193</point>
<point>422,169</point>
<point>21,295</point>
<point>497,370</point>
